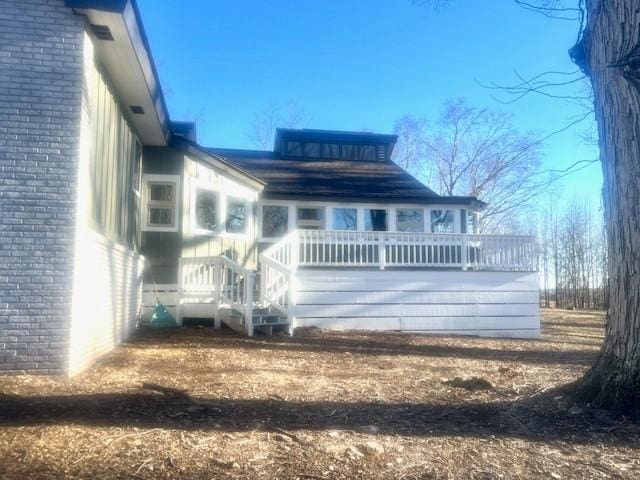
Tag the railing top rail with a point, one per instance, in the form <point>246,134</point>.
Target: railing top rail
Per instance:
<point>234,265</point>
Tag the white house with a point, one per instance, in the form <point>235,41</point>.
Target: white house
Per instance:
<point>104,197</point>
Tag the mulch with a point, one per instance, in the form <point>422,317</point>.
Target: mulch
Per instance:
<point>206,404</point>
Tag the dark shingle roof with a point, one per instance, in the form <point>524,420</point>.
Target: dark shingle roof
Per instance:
<point>333,179</point>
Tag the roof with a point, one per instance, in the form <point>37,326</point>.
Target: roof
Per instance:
<point>305,178</point>
<point>328,136</point>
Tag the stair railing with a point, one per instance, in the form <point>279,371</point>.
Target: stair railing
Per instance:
<point>278,266</point>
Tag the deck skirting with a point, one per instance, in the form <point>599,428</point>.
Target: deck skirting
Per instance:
<point>501,304</point>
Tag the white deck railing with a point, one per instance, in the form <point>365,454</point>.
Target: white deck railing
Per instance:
<point>278,265</point>
<point>219,281</point>
<point>325,248</point>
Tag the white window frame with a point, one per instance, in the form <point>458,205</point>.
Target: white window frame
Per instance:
<point>195,228</point>
<point>247,224</point>
<point>418,209</point>
<point>148,179</point>
<point>301,224</point>
<point>291,212</point>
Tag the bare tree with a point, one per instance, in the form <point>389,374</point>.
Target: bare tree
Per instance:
<point>287,114</point>
<point>411,150</point>
<point>478,152</point>
<point>608,53</point>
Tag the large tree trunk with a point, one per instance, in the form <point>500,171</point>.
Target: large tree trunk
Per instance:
<point>610,54</point>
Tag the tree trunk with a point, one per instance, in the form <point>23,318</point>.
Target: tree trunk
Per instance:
<point>610,54</point>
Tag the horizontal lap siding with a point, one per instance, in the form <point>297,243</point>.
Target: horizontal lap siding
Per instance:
<point>478,303</point>
<point>107,299</point>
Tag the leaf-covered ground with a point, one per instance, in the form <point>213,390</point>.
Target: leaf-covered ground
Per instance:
<point>204,404</point>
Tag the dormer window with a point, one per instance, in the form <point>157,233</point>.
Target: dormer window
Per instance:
<point>336,151</point>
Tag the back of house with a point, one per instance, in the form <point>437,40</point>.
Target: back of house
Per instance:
<point>109,206</point>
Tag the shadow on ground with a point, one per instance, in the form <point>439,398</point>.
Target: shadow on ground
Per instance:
<point>547,417</point>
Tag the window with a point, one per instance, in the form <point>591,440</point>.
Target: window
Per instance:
<point>161,197</point>
<point>206,210</point>
<point>410,220</point>
<point>375,220</point>
<point>345,219</point>
<point>442,221</point>
<point>275,221</point>
<point>312,150</point>
<point>294,149</point>
<point>310,218</point>
<point>236,216</point>
<point>469,221</point>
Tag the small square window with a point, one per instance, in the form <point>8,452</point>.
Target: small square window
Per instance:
<point>160,217</point>
<point>162,192</point>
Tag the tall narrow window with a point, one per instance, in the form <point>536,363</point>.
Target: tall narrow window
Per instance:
<point>442,221</point>
<point>236,216</point>
<point>410,220</point>
<point>375,220</point>
<point>161,198</point>
<point>345,219</point>
<point>275,221</point>
<point>206,210</point>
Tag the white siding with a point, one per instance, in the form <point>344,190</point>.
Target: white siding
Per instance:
<point>107,296</point>
<point>472,303</point>
<point>107,277</point>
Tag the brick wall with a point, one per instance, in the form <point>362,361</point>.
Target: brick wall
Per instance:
<point>41,48</point>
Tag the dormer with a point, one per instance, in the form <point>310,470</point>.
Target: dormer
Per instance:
<point>334,145</point>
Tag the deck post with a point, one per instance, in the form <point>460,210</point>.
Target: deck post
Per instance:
<point>217,285</point>
<point>248,303</point>
<point>464,258</point>
<point>180,290</point>
<point>382,251</point>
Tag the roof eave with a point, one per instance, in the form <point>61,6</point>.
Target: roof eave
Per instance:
<point>153,131</point>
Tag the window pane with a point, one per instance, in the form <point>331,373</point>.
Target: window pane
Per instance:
<point>367,153</point>
<point>345,219</point>
<point>236,216</point>
<point>312,150</point>
<point>375,220</point>
<point>294,148</point>
<point>161,217</point>
<point>310,218</point>
<point>206,210</point>
<point>442,221</point>
<point>410,220</point>
<point>274,221</point>
<point>161,192</point>
<point>330,150</point>
<point>471,225</point>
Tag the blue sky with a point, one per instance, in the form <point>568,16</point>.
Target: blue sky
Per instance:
<point>354,64</point>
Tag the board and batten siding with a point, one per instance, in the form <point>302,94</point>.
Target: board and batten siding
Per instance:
<point>502,304</point>
<point>240,248</point>
<point>107,272</point>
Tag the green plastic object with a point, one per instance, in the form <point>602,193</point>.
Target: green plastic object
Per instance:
<point>162,318</point>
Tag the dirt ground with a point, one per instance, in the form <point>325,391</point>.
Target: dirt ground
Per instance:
<point>320,405</point>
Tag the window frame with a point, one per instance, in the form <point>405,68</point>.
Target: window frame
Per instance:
<point>261,208</point>
<point>415,209</point>
<point>149,179</point>
<point>387,218</point>
<point>195,228</point>
<point>454,216</point>
<point>322,223</point>
<point>247,206</point>
<point>354,208</point>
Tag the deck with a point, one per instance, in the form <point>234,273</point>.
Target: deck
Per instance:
<point>437,283</point>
